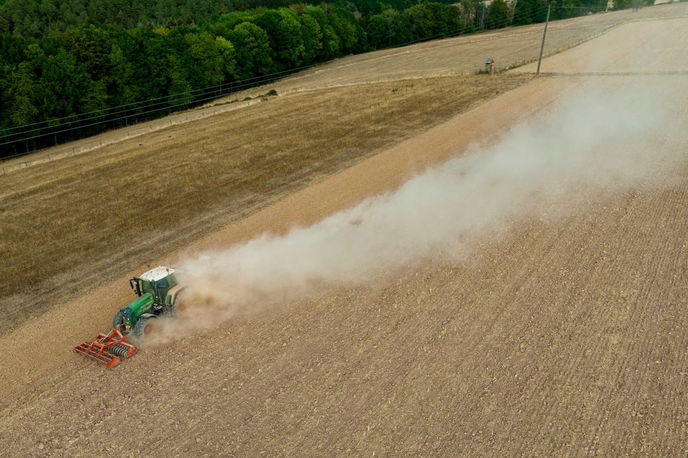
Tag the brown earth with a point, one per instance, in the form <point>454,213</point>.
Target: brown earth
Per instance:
<point>83,212</point>
<point>656,54</point>
<point>566,338</point>
<point>388,169</point>
<point>134,201</point>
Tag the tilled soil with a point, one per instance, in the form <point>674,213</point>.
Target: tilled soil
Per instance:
<point>567,339</point>
<point>561,338</point>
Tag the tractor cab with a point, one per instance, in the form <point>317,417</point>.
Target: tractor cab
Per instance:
<point>158,282</point>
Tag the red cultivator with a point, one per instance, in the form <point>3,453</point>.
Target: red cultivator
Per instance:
<point>109,349</point>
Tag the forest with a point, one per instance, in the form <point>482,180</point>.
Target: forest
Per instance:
<point>70,68</point>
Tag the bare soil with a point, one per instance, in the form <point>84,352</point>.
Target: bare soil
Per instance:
<point>566,338</point>
<point>656,54</point>
<point>73,223</point>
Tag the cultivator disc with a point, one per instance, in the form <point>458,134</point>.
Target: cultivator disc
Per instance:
<point>109,349</point>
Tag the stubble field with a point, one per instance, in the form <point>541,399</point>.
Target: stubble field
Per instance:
<point>75,223</point>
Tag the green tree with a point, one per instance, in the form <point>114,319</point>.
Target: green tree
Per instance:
<point>229,64</point>
<point>286,40</point>
<point>529,11</point>
<point>67,87</point>
<point>498,15</point>
<point>120,88</point>
<point>471,14</point>
<point>91,46</point>
<point>343,26</point>
<point>253,52</point>
<point>226,23</point>
<point>20,94</point>
<point>208,66</point>
<point>623,4</point>
<point>312,37</point>
<point>50,83</point>
<point>331,46</point>
<point>399,28</point>
<point>433,19</point>
<point>148,52</point>
<point>378,29</point>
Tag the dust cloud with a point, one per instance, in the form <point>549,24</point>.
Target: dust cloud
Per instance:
<point>586,146</point>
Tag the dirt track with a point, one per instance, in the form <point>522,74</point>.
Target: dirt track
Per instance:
<point>562,338</point>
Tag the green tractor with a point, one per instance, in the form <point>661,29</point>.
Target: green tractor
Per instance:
<point>157,292</point>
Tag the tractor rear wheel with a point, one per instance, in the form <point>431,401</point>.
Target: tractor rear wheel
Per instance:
<point>145,326</point>
<point>178,301</point>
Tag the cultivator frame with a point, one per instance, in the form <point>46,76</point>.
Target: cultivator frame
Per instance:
<point>109,349</point>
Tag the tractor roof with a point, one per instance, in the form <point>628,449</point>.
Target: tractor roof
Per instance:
<point>158,273</point>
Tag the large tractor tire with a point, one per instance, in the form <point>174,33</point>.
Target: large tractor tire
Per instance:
<point>178,303</point>
<point>145,326</point>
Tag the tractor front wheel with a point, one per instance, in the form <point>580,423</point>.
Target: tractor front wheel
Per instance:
<point>145,326</point>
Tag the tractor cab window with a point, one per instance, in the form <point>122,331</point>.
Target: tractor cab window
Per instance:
<point>163,288</point>
<point>134,283</point>
<point>146,287</point>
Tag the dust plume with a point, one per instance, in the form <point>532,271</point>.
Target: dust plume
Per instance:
<point>586,146</point>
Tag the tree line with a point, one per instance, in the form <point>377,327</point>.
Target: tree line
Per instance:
<point>66,64</point>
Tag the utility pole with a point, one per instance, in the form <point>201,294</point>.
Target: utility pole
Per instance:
<point>544,35</point>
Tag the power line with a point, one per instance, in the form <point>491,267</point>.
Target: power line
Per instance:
<point>205,99</point>
<point>133,105</point>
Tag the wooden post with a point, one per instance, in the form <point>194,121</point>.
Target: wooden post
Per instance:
<point>544,36</point>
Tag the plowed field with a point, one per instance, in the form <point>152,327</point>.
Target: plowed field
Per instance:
<point>561,335</point>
